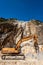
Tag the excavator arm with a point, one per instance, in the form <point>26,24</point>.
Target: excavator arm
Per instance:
<point>22,40</point>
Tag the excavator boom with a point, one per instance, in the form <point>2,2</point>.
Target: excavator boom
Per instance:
<point>22,40</point>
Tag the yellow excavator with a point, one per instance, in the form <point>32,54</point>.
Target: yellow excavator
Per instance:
<point>15,52</point>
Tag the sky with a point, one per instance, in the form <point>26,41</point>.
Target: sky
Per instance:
<point>22,9</point>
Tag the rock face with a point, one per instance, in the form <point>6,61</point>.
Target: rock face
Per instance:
<point>29,28</point>
<point>40,34</point>
<point>33,27</point>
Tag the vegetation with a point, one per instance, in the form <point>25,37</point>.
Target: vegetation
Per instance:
<point>36,22</point>
<point>13,18</point>
<point>4,20</point>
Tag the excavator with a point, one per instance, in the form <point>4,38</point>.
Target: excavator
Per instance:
<point>15,51</point>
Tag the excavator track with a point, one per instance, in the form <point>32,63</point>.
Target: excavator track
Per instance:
<point>13,57</point>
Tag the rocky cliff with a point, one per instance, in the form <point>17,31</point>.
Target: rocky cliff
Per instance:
<point>8,30</point>
<point>29,27</point>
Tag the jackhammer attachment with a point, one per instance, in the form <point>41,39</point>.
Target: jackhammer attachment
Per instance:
<point>13,57</point>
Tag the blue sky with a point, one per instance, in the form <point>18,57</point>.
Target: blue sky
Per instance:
<point>22,9</point>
